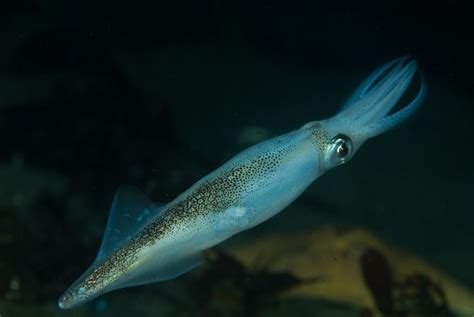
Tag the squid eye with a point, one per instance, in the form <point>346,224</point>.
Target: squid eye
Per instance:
<point>341,148</point>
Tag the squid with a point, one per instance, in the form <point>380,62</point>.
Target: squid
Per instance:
<point>147,242</point>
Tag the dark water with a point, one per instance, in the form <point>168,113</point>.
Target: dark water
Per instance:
<point>95,94</point>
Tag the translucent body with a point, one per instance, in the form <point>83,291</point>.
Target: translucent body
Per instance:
<point>144,243</point>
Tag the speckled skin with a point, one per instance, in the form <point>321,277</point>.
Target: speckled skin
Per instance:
<point>250,188</point>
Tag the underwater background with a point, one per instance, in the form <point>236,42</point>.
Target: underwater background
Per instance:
<point>157,94</point>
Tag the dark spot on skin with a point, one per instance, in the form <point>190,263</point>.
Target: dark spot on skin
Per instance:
<point>320,137</point>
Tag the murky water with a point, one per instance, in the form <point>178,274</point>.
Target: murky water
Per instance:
<point>98,94</point>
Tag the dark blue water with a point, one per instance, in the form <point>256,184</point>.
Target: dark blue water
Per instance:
<point>95,94</point>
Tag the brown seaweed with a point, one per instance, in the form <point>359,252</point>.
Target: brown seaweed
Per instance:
<point>358,269</point>
<point>225,287</point>
<point>416,296</point>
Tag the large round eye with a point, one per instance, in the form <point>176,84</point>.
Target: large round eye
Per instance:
<point>340,149</point>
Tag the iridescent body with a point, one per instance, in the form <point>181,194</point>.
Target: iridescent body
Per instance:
<point>146,243</point>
